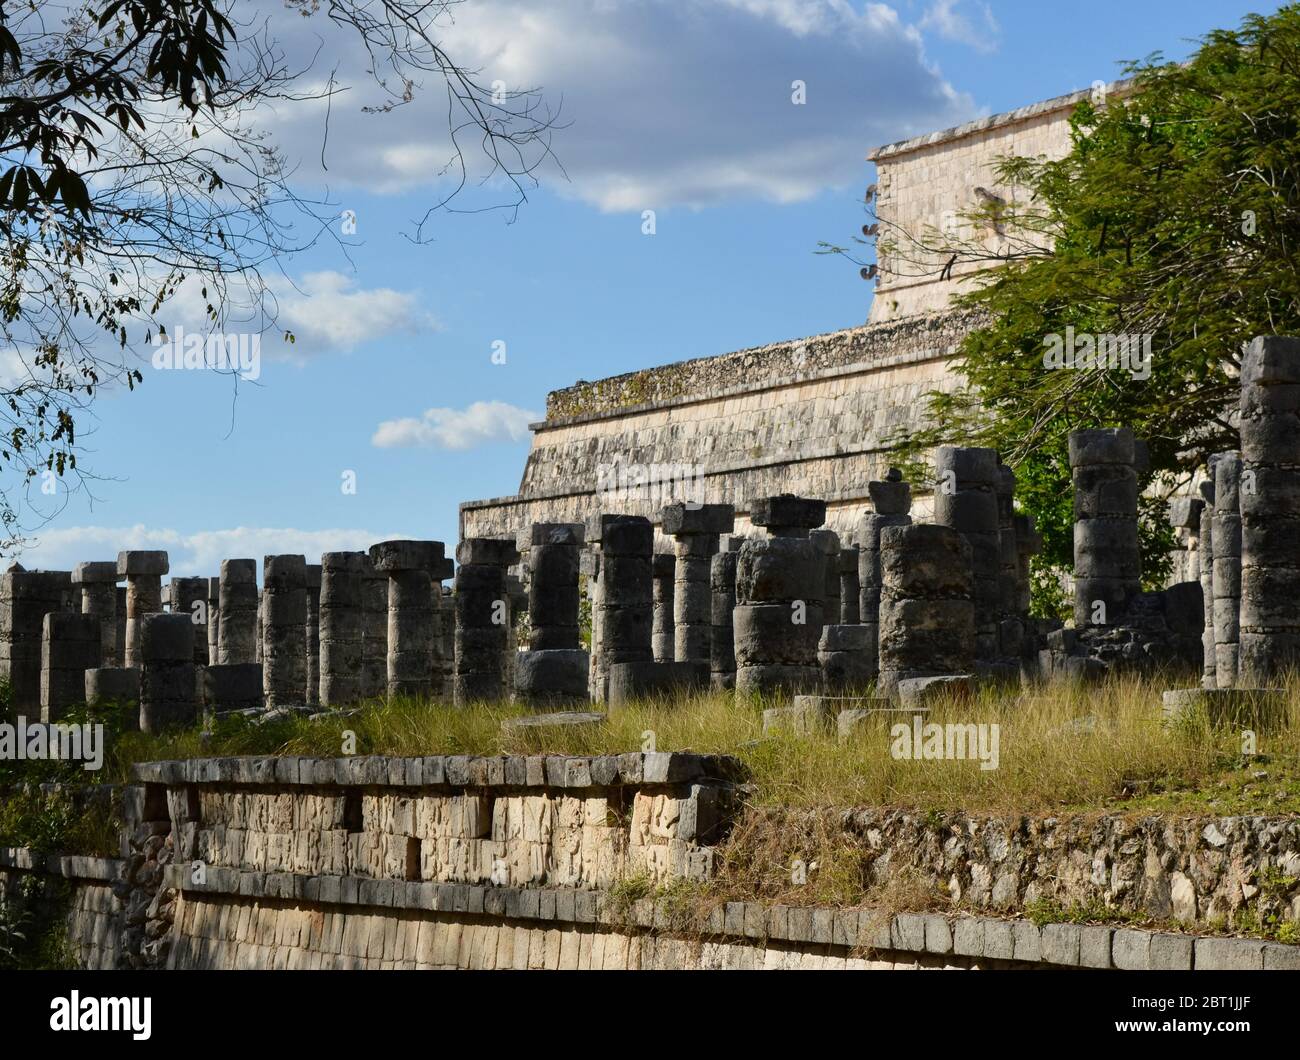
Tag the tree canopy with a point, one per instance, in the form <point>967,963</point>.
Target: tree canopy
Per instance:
<point>1173,222</point>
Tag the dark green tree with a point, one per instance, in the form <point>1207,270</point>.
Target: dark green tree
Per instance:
<point>1174,218</point>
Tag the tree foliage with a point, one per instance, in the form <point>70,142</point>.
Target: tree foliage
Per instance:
<point>1175,216</point>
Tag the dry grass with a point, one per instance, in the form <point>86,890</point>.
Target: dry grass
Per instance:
<point>1121,758</point>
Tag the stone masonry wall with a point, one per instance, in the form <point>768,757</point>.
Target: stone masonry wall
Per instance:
<point>811,416</point>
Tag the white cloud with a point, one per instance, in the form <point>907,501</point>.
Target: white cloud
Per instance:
<point>668,102</point>
<point>327,312</point>
<point>190,554</point>
<point>943,17</point>
<point>478,424</point>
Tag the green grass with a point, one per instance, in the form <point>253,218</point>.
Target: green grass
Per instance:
<point>1129,762</point>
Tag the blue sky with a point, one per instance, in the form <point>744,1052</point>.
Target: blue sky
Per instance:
<point>682,108</point>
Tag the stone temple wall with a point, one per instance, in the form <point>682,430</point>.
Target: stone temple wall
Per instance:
<point>812,416</point>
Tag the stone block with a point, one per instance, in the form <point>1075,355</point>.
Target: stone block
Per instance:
<point>135,563</point>
<point>687,519</point>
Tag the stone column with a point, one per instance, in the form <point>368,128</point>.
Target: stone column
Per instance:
<point>259,642</point>
<point>1029,542</point>
<point>189,596</point>
<point>409,567</point>
<point>965,499</point>
<point>313,634</point>
<point>167,684</point>
<point>553,564</point>
<point>927,616</point>
<point>891,501</point>
<point>374,631</point>
<point>722,586</point>
<point>850,586</point>
<point>589,569</point>
<point>1011,627</point>
<point>695,530</point>
<point>483,614</point>
<point>1270,510</point>
<point>341,627</point>
<point>778,618</point>
<point>1209,665</point>
<point>1107,563</point>
<point>97,583</point>
<point>214,619</point>
<point>554,670</point>
<point>1227,568</point>
<point>662,637</point>
<point>444,631</point>
<point>143,572</point>
<point>121,625</point>
<point>284,630</point>
<point>623,612</point>
<point>70,645</point>
<point>26,597</point>
<point>844,659</point>
<point>238,606</point>
<point>828,543</point>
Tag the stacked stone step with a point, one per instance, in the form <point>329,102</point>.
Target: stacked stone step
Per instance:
<point>891,501</point>
<point>850,586</point>
<point>965,500</point>
<point>374,632</point>
<point>554,669</point>
<point>1209,662</point>
<point>143,571</point>
<point>410,568</point>
<point>662,640</point>
<point>113,684</point>
<point>696,530</point>
<point>284,631</point>
<point>1011,620</point>
<point>1107,561</point>
<point>167,677</point>
<point>96,583</point>
<point>70,645</point>
<point>1227,568</point>
<point>1270,510</point>
<point>237,612</point>
<point>214,619</point>
<point>483,618</point>
<point>232,687</point>
<point>779,599</point>
<point>26,597</point>
<point>343,577</point>
<point>189,596</point>
<point>722,590</point>
<point>313,634</point>
<point>927,611</point>
<point>623,608</point>
<point>843,656</point>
